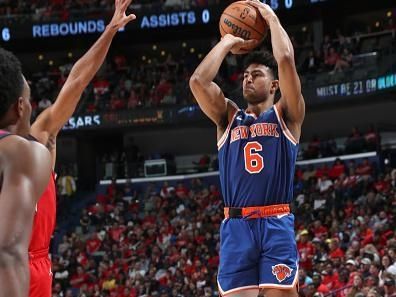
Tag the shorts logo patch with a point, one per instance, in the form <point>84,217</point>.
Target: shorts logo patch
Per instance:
<point>281,271</point>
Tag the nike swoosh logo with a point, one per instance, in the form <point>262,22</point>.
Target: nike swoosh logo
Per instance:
<point>281,216</point>
<point>239,118</point>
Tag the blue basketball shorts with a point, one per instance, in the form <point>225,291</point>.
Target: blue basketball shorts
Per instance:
<point>257,253</point>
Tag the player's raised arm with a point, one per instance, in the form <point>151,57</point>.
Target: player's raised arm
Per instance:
<point>26,171</point>
<point>208,94</point>
<point>292,101</point>
<point>51,121</point>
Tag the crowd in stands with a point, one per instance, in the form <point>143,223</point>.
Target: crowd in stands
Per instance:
<point>348,247</point>
<point>129,83</point>
<point>129,161</point>
<point>338,51</point>
<point>356,142</point>
<point>163,239</point>
<point>157,243</point>
<point>121,86</point>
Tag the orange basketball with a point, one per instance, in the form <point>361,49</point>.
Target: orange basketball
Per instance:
<point>243,20</point>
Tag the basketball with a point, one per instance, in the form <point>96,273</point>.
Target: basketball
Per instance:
<point>243,20</point>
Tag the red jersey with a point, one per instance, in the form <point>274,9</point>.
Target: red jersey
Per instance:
<point>4,134</point>
<point>44,219</point>
<point>306,252</point>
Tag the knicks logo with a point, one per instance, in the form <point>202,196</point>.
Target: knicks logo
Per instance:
<point>281,271</point>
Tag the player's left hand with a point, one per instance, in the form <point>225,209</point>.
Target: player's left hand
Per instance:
<point>120,18</point>
<point>237,45</point>
<point>265,10</point>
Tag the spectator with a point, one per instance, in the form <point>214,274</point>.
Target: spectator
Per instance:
<point>365,169</point>
<point>372,139</point>
<point>313,150</point>
<point>331,59</point>
<point>389,286</point>
<point>365,267</point>
<point>101,87</point>
<point>43,104</point>
<point>79,278</point>
<point>169,97</point>
<point>337,169</point>
<point>344,61</point>
<point>335,250</point>
<point>203,164</point>
<point>355,142</point>
<point>66,184</point>
<point>357,286</point>
<point>325,184</point>
<point>319,286</point>
<point>311,63</point>
<point>306,250</point>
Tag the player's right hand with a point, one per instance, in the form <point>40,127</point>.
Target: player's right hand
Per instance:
<point>120,19</point>
<point>239,46</point>
<point>265,10</point>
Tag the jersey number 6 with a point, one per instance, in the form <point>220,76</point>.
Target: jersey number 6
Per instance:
<point>254,163</point>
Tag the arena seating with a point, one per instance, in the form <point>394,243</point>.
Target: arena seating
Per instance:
<point>160,238</point>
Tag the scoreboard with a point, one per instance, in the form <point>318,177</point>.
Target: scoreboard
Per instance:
<point>145,21</point>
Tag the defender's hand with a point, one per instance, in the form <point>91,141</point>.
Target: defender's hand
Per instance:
<point>120,19</point>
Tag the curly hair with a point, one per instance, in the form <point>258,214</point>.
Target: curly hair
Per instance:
<point>11,80</point>
<point>263,58</point>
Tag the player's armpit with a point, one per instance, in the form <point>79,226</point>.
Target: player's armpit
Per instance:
<point>232,109</point>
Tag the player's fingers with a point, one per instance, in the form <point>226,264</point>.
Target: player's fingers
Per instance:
<point>240,52</point>
<point>125,4</point>
<point>250,43</point>
<point>243,51</point>
<point>253,3</point>
<point>238,39</point>
<point>262,7</point>
<point>131,17</point>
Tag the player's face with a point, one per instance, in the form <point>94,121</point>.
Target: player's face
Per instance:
<point>258,83</point>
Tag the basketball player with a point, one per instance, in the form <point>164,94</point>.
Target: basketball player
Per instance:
<point>45,130</point>
<point>25,168</point>
<point>257,153</point>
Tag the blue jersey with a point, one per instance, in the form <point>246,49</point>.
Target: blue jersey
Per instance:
<point>257,157</point>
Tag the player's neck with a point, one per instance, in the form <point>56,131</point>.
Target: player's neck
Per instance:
<point>19,129</point>
<point>259,108</point>
<point>5,124</point>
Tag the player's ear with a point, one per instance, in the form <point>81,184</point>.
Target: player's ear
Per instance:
<point>274,86</point>
<point>19,107</point>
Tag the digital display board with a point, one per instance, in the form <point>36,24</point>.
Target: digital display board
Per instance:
<point>135,118</point>
<point>145,21</point>
<point>358,87</point>
<point>290,4</point>
<point>151,21</point>
<point>192,113</point>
